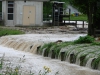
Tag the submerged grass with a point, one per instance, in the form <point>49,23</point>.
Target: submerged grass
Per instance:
<point>53,46</point>
<point>95,63</point>
<point>82,49</point>
<point>47,47</point>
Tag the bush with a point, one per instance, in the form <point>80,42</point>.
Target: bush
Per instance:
<point>85,39</point>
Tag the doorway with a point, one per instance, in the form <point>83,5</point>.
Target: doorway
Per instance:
<point>29,15</point>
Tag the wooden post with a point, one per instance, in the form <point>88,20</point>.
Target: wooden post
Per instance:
<point>64,22</point>
<point>53,54</point>
<point>62,56</point>
<point>38,49</point>
<point>94,32</point>
<point>83,25</point>
<point>69,14</point>
<point>76,25</point>
<point>72,58</point>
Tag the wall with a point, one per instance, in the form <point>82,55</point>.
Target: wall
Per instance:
<point>18,12</point>
<point>4,17</point>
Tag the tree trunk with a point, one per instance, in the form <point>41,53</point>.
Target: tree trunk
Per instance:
<point>90,19</point>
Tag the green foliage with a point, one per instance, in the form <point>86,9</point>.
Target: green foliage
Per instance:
<point>46,47</point>
<point>47,6</point>
<point>85,39</point>
<point>57,49</point>
<point>80,17</point>
<point>80,51</point>
<point>59,46</point>
<point>46,71</point>
<point>95,63</point>
<point>83,5</point>
<point>1,61</point>
<point>5,31</point>
<point>53,46</point>
<point>92,10</point>
<point>42,48</point>
<point>96,43</point>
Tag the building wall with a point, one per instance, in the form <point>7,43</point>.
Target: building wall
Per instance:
<point>18,12</point>
<point>4,12</point>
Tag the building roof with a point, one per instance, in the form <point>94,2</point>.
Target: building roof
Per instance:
<point>27,0</point>
<point>57,2</point>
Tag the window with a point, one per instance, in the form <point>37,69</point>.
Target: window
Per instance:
<point>10,10</point>
<point>10,2</point>
<point>10,5</point>
<point>10,16</point>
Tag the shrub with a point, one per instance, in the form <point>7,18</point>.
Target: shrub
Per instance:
<point>85,39</point>
<point>96,43</point>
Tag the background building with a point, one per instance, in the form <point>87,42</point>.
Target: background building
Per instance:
<point>22,12</point>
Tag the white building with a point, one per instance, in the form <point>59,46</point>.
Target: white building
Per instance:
<point>22,12</point>
<point>72,10</point>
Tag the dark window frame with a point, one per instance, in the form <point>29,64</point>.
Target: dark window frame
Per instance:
<point>10,11</point>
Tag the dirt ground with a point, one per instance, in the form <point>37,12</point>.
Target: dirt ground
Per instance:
<point>52,30</point>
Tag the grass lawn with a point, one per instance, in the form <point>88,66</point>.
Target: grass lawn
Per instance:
<point>7,31</point>
<point>80,17</point>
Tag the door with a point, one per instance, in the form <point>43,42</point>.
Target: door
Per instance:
<point>28,15</point>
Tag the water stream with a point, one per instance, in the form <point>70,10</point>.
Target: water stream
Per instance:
<point>35,62</point>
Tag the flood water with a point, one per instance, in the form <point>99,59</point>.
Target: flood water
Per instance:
<point>29,61</point>
<point>35,63</point>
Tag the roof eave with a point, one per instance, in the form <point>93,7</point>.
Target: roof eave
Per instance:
<point>28,0</point>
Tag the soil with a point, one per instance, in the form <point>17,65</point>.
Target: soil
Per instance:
<point>52,30</point>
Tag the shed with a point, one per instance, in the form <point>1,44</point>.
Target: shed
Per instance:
<point>22,12</point>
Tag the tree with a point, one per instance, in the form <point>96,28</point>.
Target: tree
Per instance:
<point>88,7</point>
<point>47,6</point>
<point>0,6</point>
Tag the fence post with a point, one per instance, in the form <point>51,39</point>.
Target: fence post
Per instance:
<point>76,24</point>
<point>83,24</point>
<point>64,22</point>
<point>62,56</point>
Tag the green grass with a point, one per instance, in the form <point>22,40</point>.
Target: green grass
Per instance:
<point>6,31</point>
<point>46,47</point>
<point>80,17</point>
<point>85,39</point>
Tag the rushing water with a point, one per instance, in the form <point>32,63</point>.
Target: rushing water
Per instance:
<point>35,63</point>
<point>88,64</point>
<point>32,62</point>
